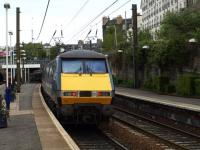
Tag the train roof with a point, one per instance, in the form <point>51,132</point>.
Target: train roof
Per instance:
<point>81,54</point>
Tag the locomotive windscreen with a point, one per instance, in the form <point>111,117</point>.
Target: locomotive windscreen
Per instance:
<point>86,66</point>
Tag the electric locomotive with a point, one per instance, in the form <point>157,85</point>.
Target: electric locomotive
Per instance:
<point>79,85</point>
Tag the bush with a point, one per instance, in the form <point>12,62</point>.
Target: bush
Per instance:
<point>124,83</point>
<point>160,83</point>
<point>157,84</point>
<point>128,83</point>
<point>185,85</point>
<point>148,84</point>
<point>171,88</point>
<point>197,87</point>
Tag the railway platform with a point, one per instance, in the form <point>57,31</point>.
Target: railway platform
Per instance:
<point>192,104</point>
<point>31,125</point>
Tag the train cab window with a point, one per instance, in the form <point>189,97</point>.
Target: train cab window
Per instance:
<point>72,66</point>
<point>95,66</point>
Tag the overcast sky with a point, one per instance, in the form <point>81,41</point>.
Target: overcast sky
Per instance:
<point>59,14</point>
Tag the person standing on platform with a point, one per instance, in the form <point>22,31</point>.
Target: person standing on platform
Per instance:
<point>8,97</point>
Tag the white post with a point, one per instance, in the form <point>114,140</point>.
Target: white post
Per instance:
<point>11,59</point>
<point>28,75</point>
<point>25,75</point>
<point>11,70</point>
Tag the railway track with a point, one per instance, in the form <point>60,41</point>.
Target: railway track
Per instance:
<point>90,137</point>
<point>171,137</point>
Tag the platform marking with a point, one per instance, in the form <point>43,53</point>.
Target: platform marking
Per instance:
<point>62,131</point>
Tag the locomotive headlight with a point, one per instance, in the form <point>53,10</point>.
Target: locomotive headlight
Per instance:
<point>103,93</point>
<point>100,93</point>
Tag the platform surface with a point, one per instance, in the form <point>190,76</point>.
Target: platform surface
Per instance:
<point>29,125</point>
<point>180,102</point>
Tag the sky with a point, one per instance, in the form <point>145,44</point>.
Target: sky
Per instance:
<point>59,16</point>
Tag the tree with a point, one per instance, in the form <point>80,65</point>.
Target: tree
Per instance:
<point>176,30</point>
<point>34,50</point>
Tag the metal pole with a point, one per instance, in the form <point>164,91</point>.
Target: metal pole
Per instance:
<point>7,47</point>
<point>115,37</point>
<point>18,48</point>
<point>125,26</point>
<point>135,43</point>
<point>90,45</point>
<point>21,67</point>
<point>23,73</point>
<point>49,53</point>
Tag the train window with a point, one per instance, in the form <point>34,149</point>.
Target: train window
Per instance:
<point>72,66</point>
<point>95,66</point>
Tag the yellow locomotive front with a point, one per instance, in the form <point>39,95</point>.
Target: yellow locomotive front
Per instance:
<point>86,87</point>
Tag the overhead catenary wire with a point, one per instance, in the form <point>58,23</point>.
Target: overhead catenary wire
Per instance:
<point>83,31</point>
<point>119,7</point>
<point>77,13</point>
<point>85,26</point>
<point>73,18</point>
<point>43,19</point>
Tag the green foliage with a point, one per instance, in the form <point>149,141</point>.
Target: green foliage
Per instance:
<point>176,30</point>
<point>197,87</point>
<point>185,85</point>
<point>144,38</point>
<point>148,84</point>
<point>123,83</point>
<point>109,41</point>
<point>157,84</point>
<point>171,88</point>
<point>34,50</point>
<point>53,52</point>
<point>159,54</point>
<point>160,83</point>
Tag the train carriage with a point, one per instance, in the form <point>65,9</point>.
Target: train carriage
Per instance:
<point>79,84</point>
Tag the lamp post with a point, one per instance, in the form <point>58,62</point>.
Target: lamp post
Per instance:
<point>23,56</point>
<point>193,47</point>
<point>24,69</point>
<point>145,49</point>
<point>11,58</point>
<point>7,6</point>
